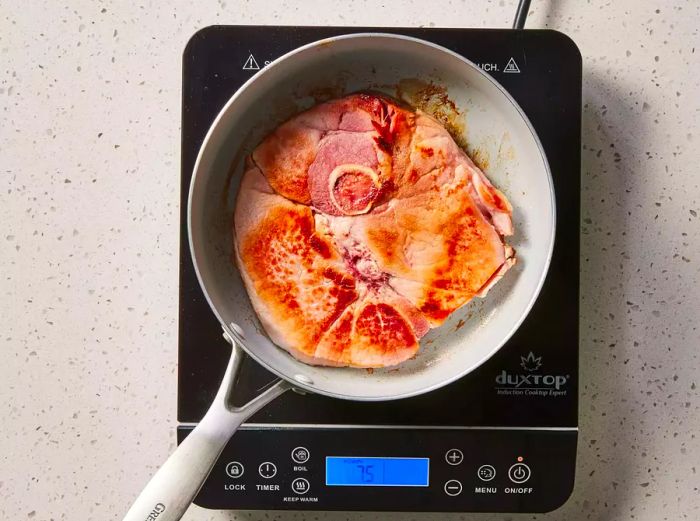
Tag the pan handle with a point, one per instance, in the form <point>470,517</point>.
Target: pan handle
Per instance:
<point>171,490</point>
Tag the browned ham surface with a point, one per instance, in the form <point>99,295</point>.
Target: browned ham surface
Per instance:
<point>360,225</point>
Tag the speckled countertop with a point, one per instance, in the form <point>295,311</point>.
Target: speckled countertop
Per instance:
<point>89,144</point>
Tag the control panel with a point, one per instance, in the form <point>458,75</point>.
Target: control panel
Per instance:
<point>392,469</point>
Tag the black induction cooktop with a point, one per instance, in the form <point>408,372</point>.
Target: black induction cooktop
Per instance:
<point>502,438</point>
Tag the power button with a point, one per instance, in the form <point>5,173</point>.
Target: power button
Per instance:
<point>519,473</point>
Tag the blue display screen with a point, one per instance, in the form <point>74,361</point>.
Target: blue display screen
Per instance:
<point>377,472</point>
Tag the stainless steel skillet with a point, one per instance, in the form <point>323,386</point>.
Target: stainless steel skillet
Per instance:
<point>493,124</point>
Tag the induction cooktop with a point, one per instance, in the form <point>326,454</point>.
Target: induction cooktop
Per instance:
<point>501,439</point>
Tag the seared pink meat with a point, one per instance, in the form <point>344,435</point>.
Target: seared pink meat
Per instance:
<point>359,225</point>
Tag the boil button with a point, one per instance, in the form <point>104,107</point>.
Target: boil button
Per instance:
<point>301,455</point>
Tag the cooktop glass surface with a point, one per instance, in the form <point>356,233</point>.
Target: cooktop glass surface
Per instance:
<point>533,379</point>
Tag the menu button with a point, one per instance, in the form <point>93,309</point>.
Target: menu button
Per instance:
<point>486,472</point>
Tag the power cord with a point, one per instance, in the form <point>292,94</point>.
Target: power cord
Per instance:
<point>521,14</point>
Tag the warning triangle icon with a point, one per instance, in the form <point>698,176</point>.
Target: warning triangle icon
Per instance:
<point>250,64</point>
<point>511,66</point>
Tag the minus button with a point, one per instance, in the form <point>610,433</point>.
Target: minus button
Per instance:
<point>453,488</point>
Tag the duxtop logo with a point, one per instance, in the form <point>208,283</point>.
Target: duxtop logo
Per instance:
<point>531,362</point>
<point>532,382</point>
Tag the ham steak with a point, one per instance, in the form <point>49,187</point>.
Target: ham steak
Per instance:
<point>360,225</point>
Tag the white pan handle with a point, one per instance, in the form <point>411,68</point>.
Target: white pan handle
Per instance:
<point>171,491</point>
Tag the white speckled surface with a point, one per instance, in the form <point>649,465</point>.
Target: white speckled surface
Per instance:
<point>89,143</point>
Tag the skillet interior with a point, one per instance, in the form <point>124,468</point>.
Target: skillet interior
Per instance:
<point>492,124</point>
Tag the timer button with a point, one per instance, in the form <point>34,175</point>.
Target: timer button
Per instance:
<point>267,470</point>
<point>301,455</point>
<point>300,486</point>
<point>453,488</point>
<point>454,456</point>
<point>519,473</point>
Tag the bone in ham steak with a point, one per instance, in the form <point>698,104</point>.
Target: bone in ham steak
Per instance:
<point>360,225</point>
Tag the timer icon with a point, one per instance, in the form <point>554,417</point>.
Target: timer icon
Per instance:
<point>267,470</point>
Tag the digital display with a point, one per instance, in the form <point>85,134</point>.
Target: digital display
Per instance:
<point>376,472</point>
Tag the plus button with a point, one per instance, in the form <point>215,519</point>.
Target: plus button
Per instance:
<point>454,456</point>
